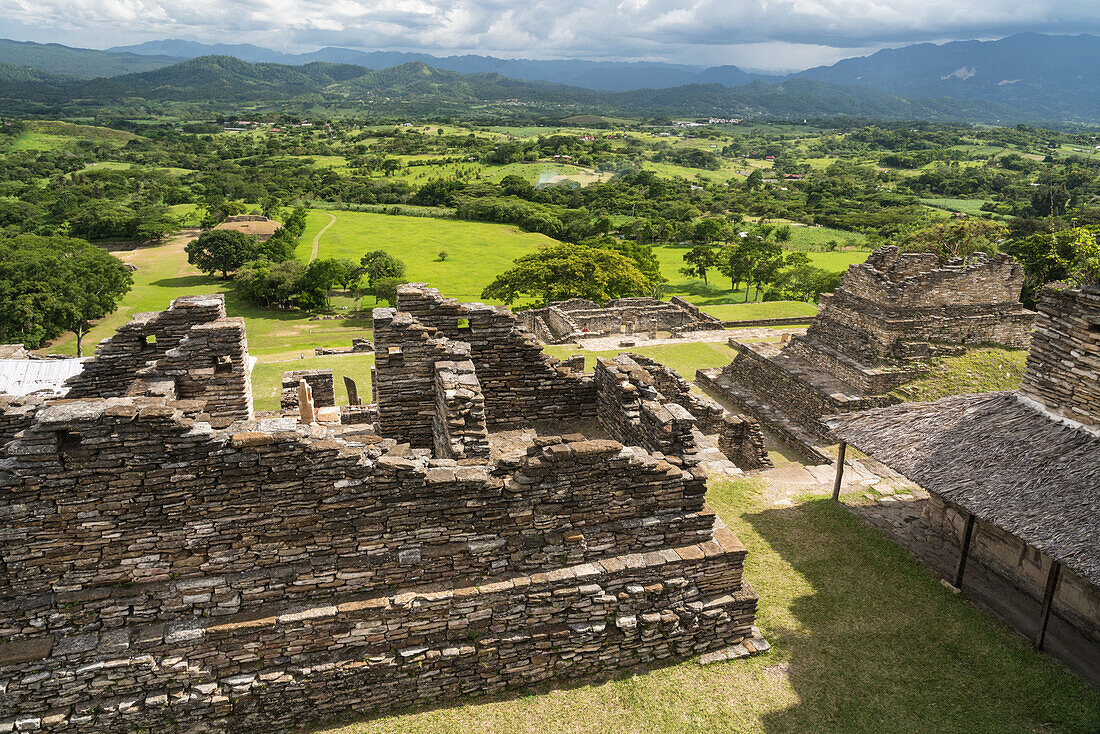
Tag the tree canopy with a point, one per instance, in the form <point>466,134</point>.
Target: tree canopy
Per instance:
<point>221,250</point>
<point>563,271</point>
<point>50,285</point>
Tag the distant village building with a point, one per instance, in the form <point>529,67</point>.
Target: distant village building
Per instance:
<point>259,227</point>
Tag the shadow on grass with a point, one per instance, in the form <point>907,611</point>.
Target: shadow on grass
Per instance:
<point>191,281</point>
<point>882,646</point>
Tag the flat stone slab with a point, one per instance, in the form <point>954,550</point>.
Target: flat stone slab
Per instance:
<point>749,646</point>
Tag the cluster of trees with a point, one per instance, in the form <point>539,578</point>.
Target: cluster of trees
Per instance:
<point>53,285</point>
<point>756,258</point>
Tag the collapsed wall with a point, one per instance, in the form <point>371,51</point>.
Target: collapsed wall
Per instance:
<point>564,321</point>
<point>886,318</point>
<point>161,571</point>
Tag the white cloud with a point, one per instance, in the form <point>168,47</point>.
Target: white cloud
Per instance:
<point>745,32</point>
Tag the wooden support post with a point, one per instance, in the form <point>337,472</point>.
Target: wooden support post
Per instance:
<point>839,469</point>
<point>1048,602</point>
<point>964,551</point>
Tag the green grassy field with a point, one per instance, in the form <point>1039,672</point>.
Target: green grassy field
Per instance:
<point>864,639</point>
<point>163,273</point>
<point>973,207</point>
<point>477,252</point>
<point>762,310</point>
<point>267,375</point>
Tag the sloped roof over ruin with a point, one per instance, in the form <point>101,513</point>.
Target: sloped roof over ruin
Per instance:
<point>42,376</point>
<point>1001,457</point>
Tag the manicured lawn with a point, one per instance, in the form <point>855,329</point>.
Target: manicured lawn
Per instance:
<point>163,274</point>
<point>477,252</point>
<point>684,358</point>
<point>762,310</point>
<point>865,639</point>
<point>267,376</point>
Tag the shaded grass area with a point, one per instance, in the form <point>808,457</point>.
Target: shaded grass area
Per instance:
<point>864,637</point>
<point>267,376</point>
<point>979,370</point>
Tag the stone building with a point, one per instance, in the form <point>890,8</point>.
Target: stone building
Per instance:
<point>565,321</point>
<point>259,227</point>
<point>886,318</point>
<point>171,560</point>
<point>1014,477</point>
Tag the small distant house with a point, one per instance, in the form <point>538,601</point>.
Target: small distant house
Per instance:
<point>259,227</point>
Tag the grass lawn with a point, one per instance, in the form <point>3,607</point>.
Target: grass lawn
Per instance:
<point>163,274</point>
<point>865,639</point>
<point>979,370</point>
<point>684,358</point>
<point>267,375</point>
<point>477,252</point>
<point>762,310</point>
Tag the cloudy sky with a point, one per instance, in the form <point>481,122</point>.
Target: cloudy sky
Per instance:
<point>762,34</point>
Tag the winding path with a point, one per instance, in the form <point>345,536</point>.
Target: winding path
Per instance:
<point>317,239</point>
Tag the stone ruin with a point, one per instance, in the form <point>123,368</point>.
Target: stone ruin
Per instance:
<point>173,561</point>
<point>888,316</point>
<point>567,321</point>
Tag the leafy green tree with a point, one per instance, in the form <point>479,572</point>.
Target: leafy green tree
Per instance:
<point>379,264</point>
<point>49,285</point>
<point>698,260</point>
<point>1072,256</point>
<point>563,271</point>
<point>279,247</point>
<point>350,273</point>
<point>221,250</point>
<point>321,276</point>
<point>385,289</point>
<point>956,238</point>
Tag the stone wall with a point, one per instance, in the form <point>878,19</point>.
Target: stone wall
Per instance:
<point>171,564</point>
<point>886,319</point>
<point>564,321</point>
<point>1075,599</point>
<point>1063,367</point>
<point>521,384</point>
<point>146,338</point>
<point>459,422</point>
<point>319,380</point>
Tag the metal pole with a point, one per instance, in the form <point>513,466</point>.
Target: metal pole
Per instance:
<point>964,552</point>
<point>1048,602</point>
<point>839,469</point>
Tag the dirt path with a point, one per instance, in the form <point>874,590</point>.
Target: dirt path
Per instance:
<point>317,239</point>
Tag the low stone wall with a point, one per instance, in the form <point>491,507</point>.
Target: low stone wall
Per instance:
<point>1075,600</point>
<point>319,380</point>
<point>459,422</point>
<point>783,321</point>
<point>1063,366</point>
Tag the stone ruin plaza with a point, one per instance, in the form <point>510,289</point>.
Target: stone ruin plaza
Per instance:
<point>489,517</point>
<point>494,518</point>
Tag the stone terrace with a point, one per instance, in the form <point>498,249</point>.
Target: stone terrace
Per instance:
<point>170,565</point>
<point>887,317</point>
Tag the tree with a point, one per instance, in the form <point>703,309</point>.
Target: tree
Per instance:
<point>698,260</point>
<point>563,271</point>
<point>379,264</point>
<point>385,289</point>
<point>350,273</point>
<point>443,255</point>
<point>957,238</point>
<point>754,180</point>
<point>49,285</point>
<point>1072,256</point>
<point>321,276</point>
<point>221,250</point>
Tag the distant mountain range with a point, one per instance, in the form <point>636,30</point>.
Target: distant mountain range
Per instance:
<point>1026,77</point>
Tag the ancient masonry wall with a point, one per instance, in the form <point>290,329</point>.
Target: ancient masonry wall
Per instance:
<point>143,340</point>
<point>148,556</point>
<point>521,384</point>
<point>563,321</point>
<point>886,318</point>
<point>1063,367</point>
<point>459,429</point>
<point>161,571</point>
<point>319,380</point>
<point>1076,600</point>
